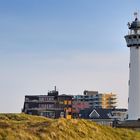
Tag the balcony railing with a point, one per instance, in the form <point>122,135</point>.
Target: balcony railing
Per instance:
<point>40,109</point>
<point>40,101</point>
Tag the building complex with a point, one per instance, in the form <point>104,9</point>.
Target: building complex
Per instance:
<point>54,105</point>
<point>97,100</point>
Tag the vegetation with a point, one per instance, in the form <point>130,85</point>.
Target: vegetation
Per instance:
<point>27,127</point>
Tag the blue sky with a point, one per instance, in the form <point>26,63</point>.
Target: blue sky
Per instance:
<point>73,44</point>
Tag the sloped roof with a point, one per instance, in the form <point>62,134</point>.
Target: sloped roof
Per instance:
<point>103,113</point>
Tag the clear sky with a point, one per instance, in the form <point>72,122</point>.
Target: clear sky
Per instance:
<point>73,44</point>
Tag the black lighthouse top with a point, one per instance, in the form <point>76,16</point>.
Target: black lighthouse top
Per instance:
<point>135,25</point>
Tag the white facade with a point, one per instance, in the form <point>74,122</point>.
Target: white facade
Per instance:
<point>134,84</point>
<point>133,41</point>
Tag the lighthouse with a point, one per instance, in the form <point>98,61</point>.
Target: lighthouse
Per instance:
<point>133,42</point>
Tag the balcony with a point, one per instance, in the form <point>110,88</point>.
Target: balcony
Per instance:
<point>44,109</point>
<point>113,98</point>
<point>40,101</point>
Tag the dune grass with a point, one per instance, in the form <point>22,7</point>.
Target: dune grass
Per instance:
<point>28,127</point>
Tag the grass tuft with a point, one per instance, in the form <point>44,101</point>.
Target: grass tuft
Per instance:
<point>28,127</point>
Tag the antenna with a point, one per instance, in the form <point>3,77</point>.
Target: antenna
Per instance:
<point>136,15</point>
<point>128,24</point>
<point>54,88</point>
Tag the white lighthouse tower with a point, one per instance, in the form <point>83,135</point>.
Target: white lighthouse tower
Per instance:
<point>133,42</point>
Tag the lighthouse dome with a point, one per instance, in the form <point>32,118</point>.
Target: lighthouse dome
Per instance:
<point>135,24</point>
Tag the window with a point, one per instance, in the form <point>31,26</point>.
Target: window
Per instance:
<point>50,98</point>
<point>61,102</point>
<point>65,109</point>
<point>65,102</point>
<point>50,105</point>
<point>134,36</point>
<point>49,114</point>
<point>45,98</point>
<point>42,105</point>
<point>69,102</point>
<point>69,109</point>
<point>26,105</point>
<point>30,113</point>
<point>26,99</point>
<point>41,99</point>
